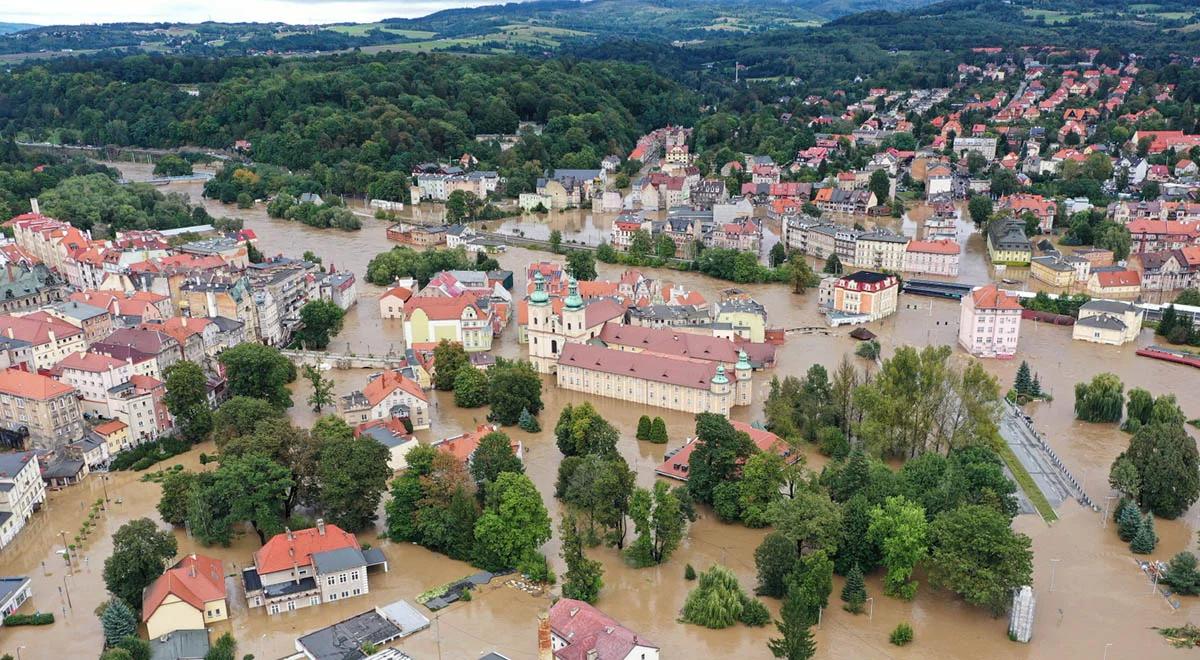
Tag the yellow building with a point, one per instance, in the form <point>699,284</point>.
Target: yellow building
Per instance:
<point>1052,271</point>
<point>1007,243</point>
<point>428,320</point>
<point>188,596</point>
<point>748,318</point>
<point>692,386</point>
<point>115,434</point>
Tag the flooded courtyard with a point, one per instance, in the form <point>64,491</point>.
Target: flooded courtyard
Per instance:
<point>1099,597</point>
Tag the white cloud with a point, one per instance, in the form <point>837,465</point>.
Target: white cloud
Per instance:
<point>71,12</point>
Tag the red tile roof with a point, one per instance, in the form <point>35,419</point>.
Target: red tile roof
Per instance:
<point>110,427</point>
<point>697,374</point>
<point>1119,278</point>
<point>463,446</point>
<point>36,328</point>
<point>400,292</point>
<point>940,246</point>
<point>676,465</point>
<point>664,341</point>
<point>90,362</point>
<point>991,297</point>
<point>587,630</point>
<point>387,382</point>
<point>298,547</point>
<point>195,580</point>
<point>442,309</point>
<point>31,386</point>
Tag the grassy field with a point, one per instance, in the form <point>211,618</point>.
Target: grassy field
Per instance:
<point>508,37</point>
<point>1026,483</point>
<point>1054,17</point>
<point>361,29</point>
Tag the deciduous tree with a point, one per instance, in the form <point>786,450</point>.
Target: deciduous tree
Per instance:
<point>900,530</point>
<point>140,554</point>
<point>259,371</point>
<point>975,553</point>
<point>187,400</point>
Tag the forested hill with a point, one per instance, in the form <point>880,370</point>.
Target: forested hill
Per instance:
<point>350,118</point>
<point>531,27</point>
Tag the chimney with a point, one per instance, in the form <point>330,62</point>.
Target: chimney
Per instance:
<point>321,526</point>
<point>545,644</point>
<point>33,206</point>
<point>290,536</point>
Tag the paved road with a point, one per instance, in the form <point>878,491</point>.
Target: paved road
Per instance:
<point>1049,474</point>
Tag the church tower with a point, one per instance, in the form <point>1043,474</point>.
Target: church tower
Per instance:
<point>745,383</point>
<point>720,396</point>
<point>543,341</point>
<point>573,317</point>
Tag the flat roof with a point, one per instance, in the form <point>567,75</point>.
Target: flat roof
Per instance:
<point>344,639</point>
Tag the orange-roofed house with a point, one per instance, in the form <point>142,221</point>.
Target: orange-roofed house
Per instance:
<point>989,322</point>
<point>188,596</point>
<point>307,567</point>
<point>391,302</point>
<point>115,434</point>
<point>45,408</point>
<point>388,395</point>
<point>1120,284</point>
<point>677,462</point>
<point>463,446</point>
<point>459,319</point>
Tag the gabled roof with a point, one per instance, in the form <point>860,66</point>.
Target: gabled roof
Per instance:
<point>677,462</point>
<point>31,386</point>
<point>35,328</point>
<point>195,580</point>
<point>591,634</point>
<point>695,374</point>
<point>378,389</point>
<point>442,309</point>
<point>282,550</point>
<point>992,297</point>
<point>665,341</point>
<point>90,362</point>
<point>1119,278</point>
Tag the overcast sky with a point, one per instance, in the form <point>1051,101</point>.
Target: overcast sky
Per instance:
<point>70,12</point>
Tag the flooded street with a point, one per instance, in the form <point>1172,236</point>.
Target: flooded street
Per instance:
<point>1099,596</point>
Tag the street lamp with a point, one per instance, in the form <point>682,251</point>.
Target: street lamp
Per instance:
<point>1107,502</point>
<point>871,609</point>
<point>104,485</point>
<point>66,549</point>
<point>1053,563</point>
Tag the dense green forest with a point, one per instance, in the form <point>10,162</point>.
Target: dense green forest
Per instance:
<point>350,118</point>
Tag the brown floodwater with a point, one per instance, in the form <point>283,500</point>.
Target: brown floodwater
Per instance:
<point>1099,596</point>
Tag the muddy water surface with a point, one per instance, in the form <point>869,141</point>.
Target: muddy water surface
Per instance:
<point>1099,597</point>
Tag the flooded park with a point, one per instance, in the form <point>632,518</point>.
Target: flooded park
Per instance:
<point>1090,592</point>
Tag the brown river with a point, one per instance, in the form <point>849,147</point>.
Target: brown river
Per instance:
<point>1099,597</point>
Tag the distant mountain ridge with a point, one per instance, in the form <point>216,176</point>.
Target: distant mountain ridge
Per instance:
<point>9,28</point>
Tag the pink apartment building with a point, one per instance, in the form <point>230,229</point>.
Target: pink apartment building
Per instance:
<point>989,322</point>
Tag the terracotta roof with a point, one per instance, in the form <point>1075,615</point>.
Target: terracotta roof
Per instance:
<point>145,340</point>
<point>463,446</point>
<point>664,341</point>
<point>676,465</point>
<point>940,246</point>
<point>697,374</point>
<point>1119,278</point>
<point>378,389</point>
<point>282,550</point>
<point>442,309</point>
<point>591,634</point>
<point>991,297</point>
<point>600,311</point>
<point>110,427</point>
<point>31,386</point>
<point>403,293</point>
<point>91,362</point>
<point>36,328</point>
<point>179,327</point>
<point>195,580</point>
<point>1166,227</point>
<point>145,382</point>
